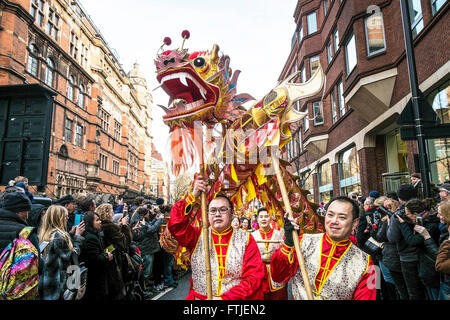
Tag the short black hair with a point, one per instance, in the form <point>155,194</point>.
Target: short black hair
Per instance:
<point>221,195</point>
<point>355,206</point>
<point>261,209</point>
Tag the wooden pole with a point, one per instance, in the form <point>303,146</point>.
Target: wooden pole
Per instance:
<point>205,229</point>
<point>287,205</point>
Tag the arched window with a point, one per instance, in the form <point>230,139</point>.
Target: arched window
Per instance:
<point>33,60</point>
<point>71,87</point>
<point>81,94</point>
<point>50,72</point>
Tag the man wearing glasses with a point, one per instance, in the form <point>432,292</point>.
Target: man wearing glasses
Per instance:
<point>237,270</point>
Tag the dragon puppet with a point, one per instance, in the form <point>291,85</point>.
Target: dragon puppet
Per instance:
<point>209,125</point>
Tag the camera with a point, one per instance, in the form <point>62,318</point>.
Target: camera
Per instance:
<point>382,210</point>
<point>419,221</point>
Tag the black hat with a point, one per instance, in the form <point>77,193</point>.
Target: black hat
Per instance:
<point>406,192</point>
<point>65,200</point>
<point>16,202</point>
<point>445,187</point>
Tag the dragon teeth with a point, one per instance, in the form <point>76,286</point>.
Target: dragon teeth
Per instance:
<point>183,79</point>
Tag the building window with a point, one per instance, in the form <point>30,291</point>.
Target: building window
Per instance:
<point>333,107</point>
<point>68,130</point>
<point>312,22</point>
<point>104,117</point>
<point>117,130</point>
<point>439,149</point>
<point>340,96</point>
<point>37,11</point>
<point>415,16</point>
<point>79,135</point>
<point>325,182</point>
<point>50,72</point>
<point>436,5</point>
<point>318,113</point>
<point>71,88</point>
<point>329,52</point>
<point>81,96</point>
<point>115,166</point>
<point>336,40</point>
<point>103,162</point>
<point>300,143</point>
<point>375,33</point>
<point>302,73</point>
<point>300,31</point>
<point>350,53</point>
<point>349,178</point>
<point>308,184</point>
<point>314,64</point>
<point>33,63</point>
<point>52,24</point>
<point>305,121</point>
<point>73,47</point>
<point>294,38</point>
<point>325,7</point>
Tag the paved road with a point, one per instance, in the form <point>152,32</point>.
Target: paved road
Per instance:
<point>182,290</point>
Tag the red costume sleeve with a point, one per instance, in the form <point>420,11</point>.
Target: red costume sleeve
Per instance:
<point>253,275</point>
<point>366,289</point>
<point>284,264</point>
<point>186,234</point>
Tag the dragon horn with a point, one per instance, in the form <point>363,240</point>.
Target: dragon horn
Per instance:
<point>215,53</point>
<point>297,91</point>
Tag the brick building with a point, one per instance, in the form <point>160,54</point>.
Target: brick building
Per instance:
<point>100,139</point>
<point>350,140</point>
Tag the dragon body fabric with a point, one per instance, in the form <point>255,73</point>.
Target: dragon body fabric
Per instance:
<point>233,146</point>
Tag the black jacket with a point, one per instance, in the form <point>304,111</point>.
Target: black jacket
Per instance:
<point>96,260</point>
<point>426,249</point>
<point>120,238</point>
<point>10,226</point>
<point>365,231</point>
<point>147,237</point>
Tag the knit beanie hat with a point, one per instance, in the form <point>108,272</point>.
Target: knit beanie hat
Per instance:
<point>16,202</point>
<point>406,192</point>
<point>374,194</point>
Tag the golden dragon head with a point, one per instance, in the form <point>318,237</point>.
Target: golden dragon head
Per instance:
<point>200,86</point>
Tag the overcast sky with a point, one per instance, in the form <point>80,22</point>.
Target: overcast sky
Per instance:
<point>256,34</point>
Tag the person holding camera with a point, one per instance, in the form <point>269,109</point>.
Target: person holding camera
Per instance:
<point>145,233</point>
<point>420,230</point>
<point>407,275</point>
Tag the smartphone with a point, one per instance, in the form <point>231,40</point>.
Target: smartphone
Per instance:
<point>125,213</point>
<point>110,248</point>
<point>78,218</point>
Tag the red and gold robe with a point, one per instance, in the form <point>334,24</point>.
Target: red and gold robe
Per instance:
<point>273,290</point>
<point>237,270</point>
<point>336,270</point>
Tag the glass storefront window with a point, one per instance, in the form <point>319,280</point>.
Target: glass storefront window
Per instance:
<point>349,172</point>
<point>396,153</point>
<point>439,149</point>
<point>325,182</point>
<point>308,184</point>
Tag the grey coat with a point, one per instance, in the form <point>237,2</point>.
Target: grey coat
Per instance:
<point>147,237</point>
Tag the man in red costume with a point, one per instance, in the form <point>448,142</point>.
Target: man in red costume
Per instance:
<point>237,271</point>
<point>337,269</point>
<point>269,240</point>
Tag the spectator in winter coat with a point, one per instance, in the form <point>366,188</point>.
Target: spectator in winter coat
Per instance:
<point>409,259</point>
<point>444,191</point>
<point>146,234</point>
<point>36,215</point>
<point>120,237</point>
<point>421,231</point>
<point>57,255</point>
<point>96,258</point>
<point>443,256</point>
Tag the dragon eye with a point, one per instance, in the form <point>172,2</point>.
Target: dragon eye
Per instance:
<point>199,62</point>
